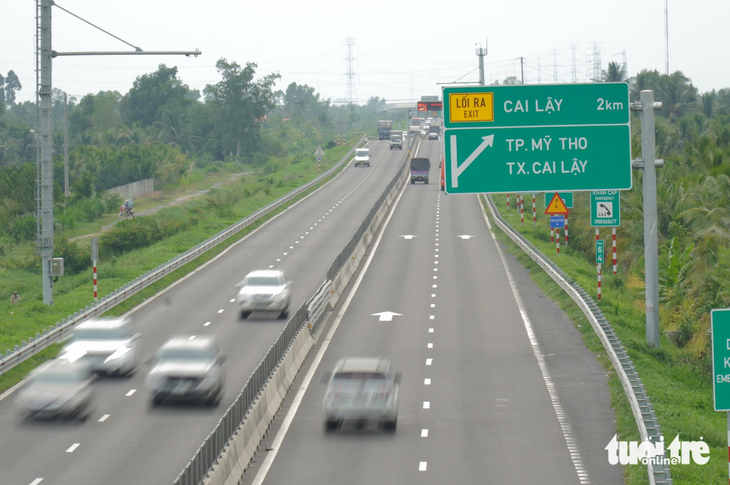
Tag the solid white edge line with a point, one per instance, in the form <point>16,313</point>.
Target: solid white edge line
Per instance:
<point>276,445</point>
<point>12,390</point>
<point>554,398</point>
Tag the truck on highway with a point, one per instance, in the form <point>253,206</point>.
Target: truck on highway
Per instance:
<point>384,127</point>
<point>396,140</point>
<point>419,170</point>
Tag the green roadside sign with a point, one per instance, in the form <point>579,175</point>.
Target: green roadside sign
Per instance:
<point>605,208</point>
<point>599,251</point>
<point>567,198</point>
<point>720,325</point>
<point>541,138</point>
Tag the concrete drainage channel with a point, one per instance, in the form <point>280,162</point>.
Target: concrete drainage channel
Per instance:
<point>637,396</point>
<point>226,453</point>
<point>61,329</point>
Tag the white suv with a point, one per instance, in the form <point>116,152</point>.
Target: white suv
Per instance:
<point>362,156</point>
<point>264,290</point>
<point>107,346</point>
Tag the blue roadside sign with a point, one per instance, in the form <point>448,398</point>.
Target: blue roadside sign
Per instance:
<point>557,222</point>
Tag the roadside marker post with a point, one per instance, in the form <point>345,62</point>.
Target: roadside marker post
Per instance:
<point>613,236</point>
<point>534,214</point>
<point>600,258</point>
<point>94,259</point>
<point>566,230</point>
<point>507,200</point>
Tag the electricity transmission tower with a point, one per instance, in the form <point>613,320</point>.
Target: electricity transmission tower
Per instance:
<point>350,94</point>
<point>594,62</point>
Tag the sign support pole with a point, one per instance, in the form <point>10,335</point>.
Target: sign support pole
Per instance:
<point>651,244</point>
<point>566,230</point>
<point>552,232</point>
<point>557,239</point>
<point>95,293</point>
<point>598,269</point>
<point>522,209</point>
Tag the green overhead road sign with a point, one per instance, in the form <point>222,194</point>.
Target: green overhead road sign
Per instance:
<point>542,138</point>
<point>605,208</point>
<point>720,325</point>
<point>567,198</point>
<point>599,251</point>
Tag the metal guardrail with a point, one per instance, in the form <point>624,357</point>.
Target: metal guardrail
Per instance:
<point>61,329</point>
<point>310,314</point>
<point>227,426</point>
<point>636,394</point>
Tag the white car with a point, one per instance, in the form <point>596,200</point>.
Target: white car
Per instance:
<point>57,389</point>
<point>107,346</point>
<point>362,388</point>
<point>187,369</point>
<point>264,290</point>
<point>362,156</point>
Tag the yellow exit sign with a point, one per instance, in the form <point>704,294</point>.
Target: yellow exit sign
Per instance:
<point>471,107</point>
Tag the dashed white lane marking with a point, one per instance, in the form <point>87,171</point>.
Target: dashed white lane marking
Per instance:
<point>278,260</point>
<point>301,237</point>
<point>430,330</point>
<point>271,266</point>
<point>429,345</point>
<point>36,481</point>
<point>435,269</point>
<point>426,404</point>
<point>290,247</point>
<point>562,420</point>
<point>206,324</point>
<point>232,300</point>
<point>191,337</point>
<point>429,361</point>
<point>422,466</point>
<point>435,277</point>
<point>72,447</point>
<point>433,295</point>
<point>431,317</point>
<point>433,305</point>
<point>132,391</point>
<point>220,311</point>
<point>104,418</point>
<point>435,286</point>
<point>297,242</point>
<point>424,433</point>
<point>427,382</point>
<point>285,254</point>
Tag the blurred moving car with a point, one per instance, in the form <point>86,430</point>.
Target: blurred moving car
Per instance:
<point>362,388</point>
<point>362,156</point>
<point>187,369</point>
<point>107,346</point>
<point>57,389</point>
<point>264,290</point>
<point>433,136</point>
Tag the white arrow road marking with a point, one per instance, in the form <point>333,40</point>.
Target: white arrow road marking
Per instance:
<point>386,316</point>
<point>408,236</point>
<point>457,170</point>
<point>465,236</point>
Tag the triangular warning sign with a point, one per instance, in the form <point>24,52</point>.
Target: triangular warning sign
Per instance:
<point>556,206</point>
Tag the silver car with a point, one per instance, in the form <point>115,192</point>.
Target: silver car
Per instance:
<point>107,346</point>
<point>362,388</point>
<point>187,369</point>
<point>264,290</point>
<point>57,389</point>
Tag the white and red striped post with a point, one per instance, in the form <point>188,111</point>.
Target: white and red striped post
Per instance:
<point>534,214</point>
<point>598,270</point>
<point>522,209</point>
<point>566,230</point>
<point>95,293</point>
<point>338,139</point>
<point>552,234</point>
<point>344,141</point>
<point>507,200</point>
<point>613,236</point>
<point>728,444</point>
<point>557,239</point>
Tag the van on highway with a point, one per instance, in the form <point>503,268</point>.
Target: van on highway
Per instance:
<point>362,156</point>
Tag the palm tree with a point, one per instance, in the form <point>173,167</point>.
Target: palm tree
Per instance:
<point>644,80</point>
<point>675,92</point>
<point>708,103</point>
<point>615,73</point>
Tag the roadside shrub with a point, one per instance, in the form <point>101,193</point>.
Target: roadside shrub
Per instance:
<point>23,228</point>
<point>137,233</point>
<point>75,258</point>
<point>330,144</point>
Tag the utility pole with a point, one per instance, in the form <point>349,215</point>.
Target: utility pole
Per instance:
<point>65,145</point>
<point>44,120</point>
<point>522,70</point>
<point>666,36</point>
<point>481,53</point>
